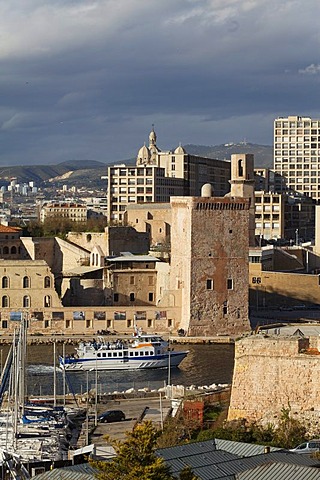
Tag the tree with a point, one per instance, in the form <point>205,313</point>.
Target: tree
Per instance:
<point>136,459</point>
<point>290,431</point>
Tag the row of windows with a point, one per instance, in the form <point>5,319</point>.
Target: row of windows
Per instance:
<point>299,122</point>
<point>12,250</point>
<point>132,297</point>
<point>26,282</point>
<point>120,354</point>
<point>88,323</point>
<point>26,301</point>
<point>295,160</point>
<point>123,172</point>
<point>210,284</point>
<point>274,199</point>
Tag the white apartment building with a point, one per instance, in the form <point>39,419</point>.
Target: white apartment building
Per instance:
<point>76,212</point>
<point>297,154</point>
<point>280,215</point>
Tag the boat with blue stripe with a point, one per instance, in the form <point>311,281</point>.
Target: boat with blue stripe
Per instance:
<point>142,351</point>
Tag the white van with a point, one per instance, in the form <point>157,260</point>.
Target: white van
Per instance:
<point>307,447</point>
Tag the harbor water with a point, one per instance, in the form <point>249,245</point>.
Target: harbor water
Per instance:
<point>204,365</point>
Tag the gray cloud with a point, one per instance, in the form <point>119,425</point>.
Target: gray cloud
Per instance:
<point>86,79</point>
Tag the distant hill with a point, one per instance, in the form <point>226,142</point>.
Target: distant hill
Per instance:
<point>43,173</point>
<point>263,154</point>
<point>88,173</point>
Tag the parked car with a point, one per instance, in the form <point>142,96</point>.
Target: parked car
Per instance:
<point>307,447</point>
<point>111,416</point>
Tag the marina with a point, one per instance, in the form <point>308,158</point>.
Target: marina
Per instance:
<point>46,411</point>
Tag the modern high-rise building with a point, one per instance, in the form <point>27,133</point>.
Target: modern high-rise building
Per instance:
<point>297,154</point>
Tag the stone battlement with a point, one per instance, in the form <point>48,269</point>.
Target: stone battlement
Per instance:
<point>273,373</point>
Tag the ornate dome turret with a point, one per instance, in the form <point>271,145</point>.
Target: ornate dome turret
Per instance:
<point>180,150</point>
<point>144,155</point>
<point>152,137</point>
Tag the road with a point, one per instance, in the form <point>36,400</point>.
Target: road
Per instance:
<point>135,409</point>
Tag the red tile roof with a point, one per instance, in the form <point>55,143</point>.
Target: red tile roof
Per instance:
<point>6,229</point>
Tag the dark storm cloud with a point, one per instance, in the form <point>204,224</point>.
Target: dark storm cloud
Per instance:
<point>86,79</point>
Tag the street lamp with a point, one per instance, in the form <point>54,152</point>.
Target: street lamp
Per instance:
<point>96,396</point>
<point>87,416</point>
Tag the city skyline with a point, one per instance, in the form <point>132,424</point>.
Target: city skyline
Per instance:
<point>84,80</point>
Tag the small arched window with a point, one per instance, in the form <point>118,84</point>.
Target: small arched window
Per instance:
<point>26,282</point>
<point>240,168</point>
<point>47,282</point>
<point>5,282</point>
<point>26,301</point>
<point>47,301</point>
<point>13,250</point>
<point>5,250</point>
<point>5,301</point>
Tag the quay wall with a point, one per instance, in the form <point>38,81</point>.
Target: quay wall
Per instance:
<point>74,339</point>
<point>272,374</point>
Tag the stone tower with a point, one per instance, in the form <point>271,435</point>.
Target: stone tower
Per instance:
<point>242,185</point>
<point>209,263</point>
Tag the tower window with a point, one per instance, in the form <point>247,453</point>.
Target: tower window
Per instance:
<point>5,301</point>
<point>26,301</point>
<point>209,284</point>
<point>225,308</point>
<point>230,284</point>
<point>240,168</point>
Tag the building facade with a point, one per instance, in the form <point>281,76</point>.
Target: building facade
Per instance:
<point>27,284</point>
<point>76,212</point>
<point>209,263</point>
<point>297,154</point>
<point>283,216</point>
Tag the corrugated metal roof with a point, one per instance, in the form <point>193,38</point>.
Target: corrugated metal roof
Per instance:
<point>64,474</point>
<point>242,449</point>
<point>83,471</point>
<point>278,471</point>
<point>201,460</point>
<point>231,459</point>
<point>188,449</point>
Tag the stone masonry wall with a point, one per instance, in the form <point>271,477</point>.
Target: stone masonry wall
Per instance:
<point>209,263</point>
<point>273,373</point>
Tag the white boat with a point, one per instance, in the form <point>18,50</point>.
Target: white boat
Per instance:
<point>141,352</point>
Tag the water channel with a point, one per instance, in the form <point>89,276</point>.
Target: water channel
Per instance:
<point>204,365</point>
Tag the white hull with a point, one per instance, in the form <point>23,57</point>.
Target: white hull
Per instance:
<point>125,364</point>
<point>141,352</point>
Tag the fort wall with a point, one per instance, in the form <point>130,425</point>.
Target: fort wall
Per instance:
<point>272,374</point>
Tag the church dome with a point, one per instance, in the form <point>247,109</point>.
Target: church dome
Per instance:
<point>180,150</point>
<point>143,155</point>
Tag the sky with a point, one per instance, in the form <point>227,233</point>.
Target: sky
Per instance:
<point>87,79</point>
